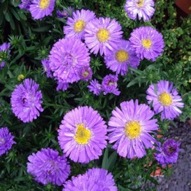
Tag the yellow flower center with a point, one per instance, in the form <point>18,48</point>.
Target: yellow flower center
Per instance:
<point>79,25</point>
<point>83,135</point>
<point>44,4</point>
<point>146,43</point>
<point>121,56</point>
<point>20,77</point>
<point>165,99</point>
<point>140,3</point>
<point>103,35</point>
<point>132,129</point>
<point>85,74</point>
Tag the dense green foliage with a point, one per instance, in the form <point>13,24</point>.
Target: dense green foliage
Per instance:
<point>32,40</point>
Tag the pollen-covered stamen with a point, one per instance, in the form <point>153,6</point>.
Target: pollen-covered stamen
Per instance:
<point>165,99</point>
<point>132,129</point>
<point>147,43</point>
<point>79,26</point>
<point>140,3</point>
<point>43,4</point>
<point>83,135</point>
<point>121,56</point>
<point>103,35</point>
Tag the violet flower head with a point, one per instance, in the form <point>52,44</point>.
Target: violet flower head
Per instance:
<point>141,9</point>
<point>65,13</point>
<point>95,179</point>
<point>121,58</point>
<point>82,134</point>
<point>147,43</point>
<point>75,25</point>
<point>46,66</point>
<point>168,152</point>
<point>109,85</point>
<point>102,35</point>
<point>4,53</point>
<point>130,129</point>
<point>95,87</point>
<point>46,166</point>
<point>26,100</point>
<point>67,58</point>
<point>165,99</point>
<point>86,73</point>
<point>41,8</point>
<point>25,4</point>
<point>6,140</point>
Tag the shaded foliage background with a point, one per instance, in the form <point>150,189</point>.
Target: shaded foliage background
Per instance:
<point>32,40</point>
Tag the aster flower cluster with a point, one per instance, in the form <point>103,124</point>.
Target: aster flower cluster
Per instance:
<point>83,133</point>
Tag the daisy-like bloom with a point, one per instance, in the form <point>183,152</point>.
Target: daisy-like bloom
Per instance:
<point>121,58</point>
<point>4,53</point>
<point>95,179</point>
<point>102,35</point>
<point>76,24</point>
<point>67,58</point>
<point>144,9</point>
<point>46,166</point>
<point>6,140</point>
<point>41,8</point>
<point>26,100</point>
<point>25,4</point>
<point>130,127</point>
<point>82,134</point>
<point>167,153</point>
<point>165,99</point>
<point>95,87</point>
<point>147,42</point>
<point>109,85</point>
<point>86,73</point>
<point>46,66</point>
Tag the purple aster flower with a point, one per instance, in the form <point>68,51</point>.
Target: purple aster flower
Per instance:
<point>165,99</point>
<point>26,100</point>
<point>95,179</point>
<point>168,152</point>
<point>102,35</point>
<point>82,134</point>
<point>76,25</point>
<point>65,13</point>
<point>6,140</point>
<point>86,73</point>
<point>144,9</point>
<point>25,4</point>
<point>147,42</point>
<point>62,85</point>
<point>41,8</point>
<point>109,85</point>
<point>4,52</point>
<point>46,166</point>
<point>121,58</point>
<point>95,87</point>
<point>46,66</point>
<point>67,58</point>
<point>130,127</point>
<point>5,47</point>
